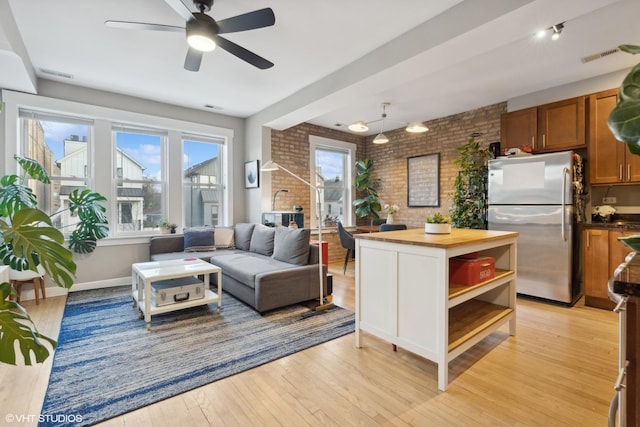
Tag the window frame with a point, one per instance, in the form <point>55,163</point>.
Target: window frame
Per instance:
<point>102,171</point>
<point>349,149</point>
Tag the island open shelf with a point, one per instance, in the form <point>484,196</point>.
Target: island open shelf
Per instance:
<point>403,294</point>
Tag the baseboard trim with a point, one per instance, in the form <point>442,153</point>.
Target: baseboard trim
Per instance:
<point>56,291</point>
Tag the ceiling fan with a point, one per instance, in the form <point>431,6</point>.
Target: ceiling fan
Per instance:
<point>203,32</point>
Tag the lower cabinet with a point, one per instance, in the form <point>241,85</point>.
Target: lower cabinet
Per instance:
<point>602,253</point>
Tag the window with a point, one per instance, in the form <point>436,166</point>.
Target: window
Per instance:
<point>331,170</point>
<point>202,175</point>
<point>138,178</point>
<point>61,145</point>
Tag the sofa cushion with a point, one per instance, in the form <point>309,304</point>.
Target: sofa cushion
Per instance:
<point>292,245</point>
<point>198,240</point>
<point>262,240</point>
<point>245,266</point>
<point>223,237</point>
<point>242,235</point>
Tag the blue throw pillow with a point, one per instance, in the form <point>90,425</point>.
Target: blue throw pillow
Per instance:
<point>198,240</point>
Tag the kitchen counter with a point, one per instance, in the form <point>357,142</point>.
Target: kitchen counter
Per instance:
<point>457,237</point>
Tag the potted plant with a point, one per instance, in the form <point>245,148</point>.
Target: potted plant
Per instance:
<point>167,227</point>
<point>437,224</point>
<point>390,210</point>
<point>470,196</point>
<point>28,240</point>
<point>368,205</point>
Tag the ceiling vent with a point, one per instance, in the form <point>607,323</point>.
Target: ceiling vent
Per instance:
<point>599,55</point>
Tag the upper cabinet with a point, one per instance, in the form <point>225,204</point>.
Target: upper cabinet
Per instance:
<point>551,127</point>
<point>519,128</point>
<point>610,161</point>
<point>561,125</point>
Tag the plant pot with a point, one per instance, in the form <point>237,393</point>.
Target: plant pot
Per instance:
<point>437,228</point>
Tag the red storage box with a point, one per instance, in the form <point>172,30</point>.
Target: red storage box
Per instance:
<point>469,272</point>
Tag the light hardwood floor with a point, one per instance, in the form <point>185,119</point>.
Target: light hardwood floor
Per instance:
<point>558,370</point>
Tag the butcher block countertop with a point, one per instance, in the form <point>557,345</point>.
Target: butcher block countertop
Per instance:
<point>417,236</point>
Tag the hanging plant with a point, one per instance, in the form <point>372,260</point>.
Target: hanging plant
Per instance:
<point>469,208</point>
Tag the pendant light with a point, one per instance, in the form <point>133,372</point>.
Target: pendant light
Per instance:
<point>381,138</point>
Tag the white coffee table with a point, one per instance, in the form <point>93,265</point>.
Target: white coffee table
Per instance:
<point>144,273</point>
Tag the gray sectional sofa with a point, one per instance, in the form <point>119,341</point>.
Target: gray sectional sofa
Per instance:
<point>264,267</point>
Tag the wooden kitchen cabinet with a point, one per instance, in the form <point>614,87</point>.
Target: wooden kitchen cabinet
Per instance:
<point>610,161</point>
<point>596,267</point>
<point>518,128</point>
<point>602,254</point>
<point>561,125</point>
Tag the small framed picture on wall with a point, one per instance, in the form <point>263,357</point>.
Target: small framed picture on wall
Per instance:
<point>251,174</point>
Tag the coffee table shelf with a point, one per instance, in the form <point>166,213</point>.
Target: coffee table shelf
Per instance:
<point>145,273</point>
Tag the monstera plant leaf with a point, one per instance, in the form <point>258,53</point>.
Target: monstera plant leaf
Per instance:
<point>16,325</point>
<point>624,120</point>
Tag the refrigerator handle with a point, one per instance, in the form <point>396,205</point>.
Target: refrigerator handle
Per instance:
<point>565,173</point>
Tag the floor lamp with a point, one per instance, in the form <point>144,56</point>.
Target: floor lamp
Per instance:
<point>272,166</point>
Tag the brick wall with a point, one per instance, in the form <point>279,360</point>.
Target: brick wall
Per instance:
<point>290,148</point>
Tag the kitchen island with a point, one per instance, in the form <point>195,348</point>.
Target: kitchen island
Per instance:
<point>403,293</point>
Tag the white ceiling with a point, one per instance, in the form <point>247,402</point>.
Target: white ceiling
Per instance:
<point>335,60</point>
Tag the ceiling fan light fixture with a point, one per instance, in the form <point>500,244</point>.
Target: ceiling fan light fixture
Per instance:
<point>358,126</point>
<point>416,127</point>
<point>380,139</point>
<point>202,32</point>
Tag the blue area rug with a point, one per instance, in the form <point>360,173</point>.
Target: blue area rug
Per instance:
<point>107,363</point>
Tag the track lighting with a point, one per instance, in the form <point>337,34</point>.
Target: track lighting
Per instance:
<point>360,126</point>
<point>555,30</point>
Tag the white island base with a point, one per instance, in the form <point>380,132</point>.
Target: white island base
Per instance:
<point>403,294</point>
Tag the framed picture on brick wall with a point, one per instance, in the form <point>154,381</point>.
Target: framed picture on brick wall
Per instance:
<point>423,181</point>
<point>251,174</point>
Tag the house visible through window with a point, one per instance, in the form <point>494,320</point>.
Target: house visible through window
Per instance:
<point>331,162</point>
<point>138,177</point>
<point>202,172</point>
<point>61,145</point>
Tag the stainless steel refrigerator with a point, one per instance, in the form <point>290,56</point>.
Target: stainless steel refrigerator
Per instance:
<point>533,196</point>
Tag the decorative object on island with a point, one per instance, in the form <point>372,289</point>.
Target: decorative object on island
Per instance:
<point>390,210</point>
<point>469,208</point>
<point>272,166</point>
<point>251,175</point>
<point>360,126</point>
<point>167,227</point>
<point>603,213</point>
<point>29,241</point>
<point>423,181</point>
<point>624,120</point>
<point>437,224</point>
<point>368,205</point>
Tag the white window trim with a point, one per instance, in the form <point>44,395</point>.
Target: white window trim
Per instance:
<point>104,118</point>
<point>322,142</point>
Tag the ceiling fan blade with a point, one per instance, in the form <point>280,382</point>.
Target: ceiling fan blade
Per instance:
<point>248,21</point>
<point>193,60</point>
<point>244,54</point>
<point>180,9</point>
<point>143,26</point>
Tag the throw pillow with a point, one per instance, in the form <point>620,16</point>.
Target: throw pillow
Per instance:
<point>262,240</point>
<point>223,237</point>
<point>292,245</point>
<point>198,240</point>
<point>242,235</point>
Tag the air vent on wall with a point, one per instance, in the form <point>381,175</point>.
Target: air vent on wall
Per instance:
<point>56,73</point>
<point>600,55</point>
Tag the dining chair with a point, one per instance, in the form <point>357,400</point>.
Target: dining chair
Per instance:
<point>391,227</point>
<point>348,242</point>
